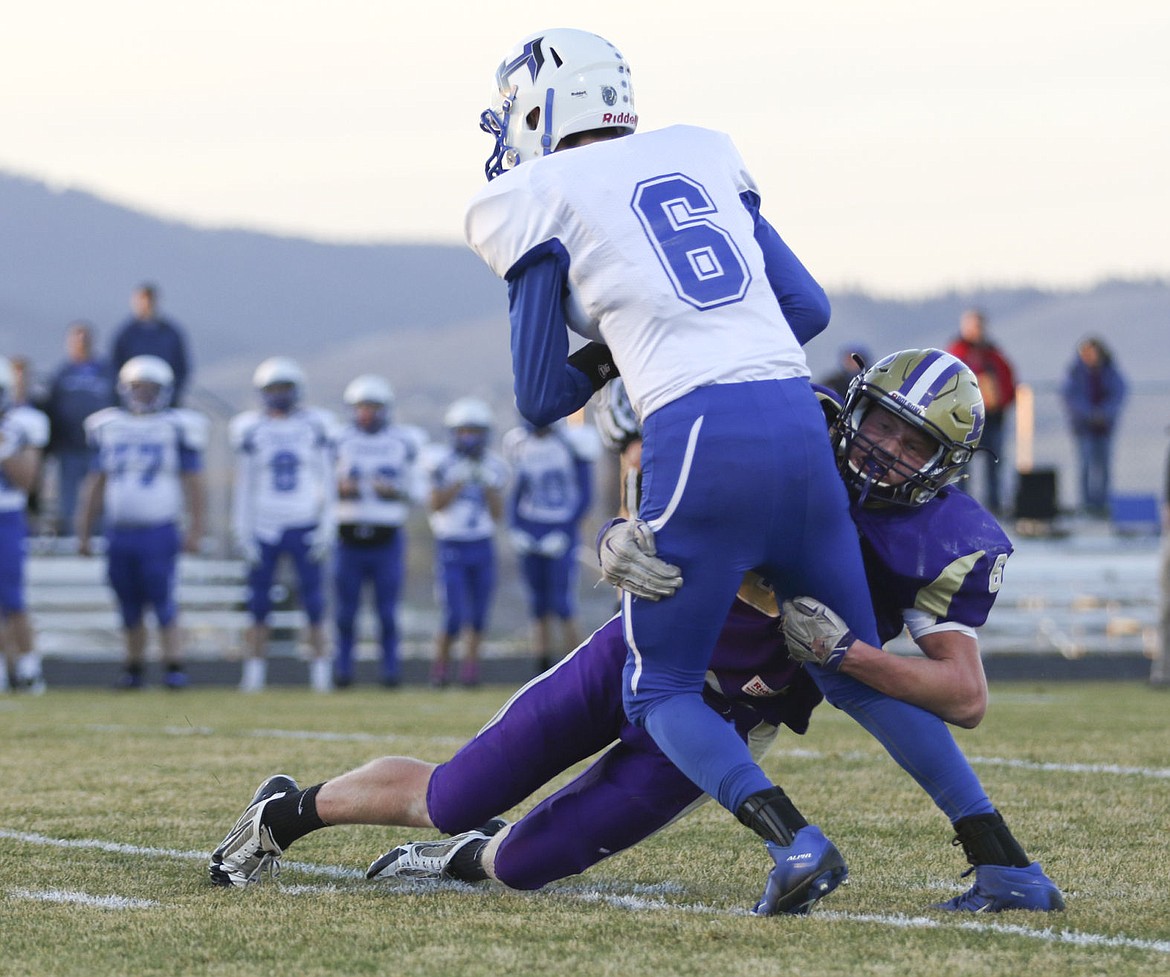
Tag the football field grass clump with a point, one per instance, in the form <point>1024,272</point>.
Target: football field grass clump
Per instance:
<point>112,804</point>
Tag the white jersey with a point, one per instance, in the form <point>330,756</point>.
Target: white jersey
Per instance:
<point>20,427</point>
<point>143,457</point>
<point>545,471</point>
<point>468,517</point>
<point>385,459</point>
<point>284,472</point>
<point>664,267</point>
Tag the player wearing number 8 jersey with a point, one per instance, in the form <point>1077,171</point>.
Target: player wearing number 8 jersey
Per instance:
<point>283,503</point>
<point>653,244</point>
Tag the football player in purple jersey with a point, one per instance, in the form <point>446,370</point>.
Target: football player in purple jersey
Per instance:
<point>908,426</point>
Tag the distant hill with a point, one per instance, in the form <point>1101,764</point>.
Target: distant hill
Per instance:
<point>433,318</point>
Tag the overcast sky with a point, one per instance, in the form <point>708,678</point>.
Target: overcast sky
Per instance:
<point>903,147</point>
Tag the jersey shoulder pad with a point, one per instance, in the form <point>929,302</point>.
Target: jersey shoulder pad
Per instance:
<point>241,426</point>
<point>511,442</point>
<point>33,425</point>
<point>102,418</point>
<point>193,426</point>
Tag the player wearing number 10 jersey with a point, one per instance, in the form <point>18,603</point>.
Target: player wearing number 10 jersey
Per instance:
<point>654,245</point>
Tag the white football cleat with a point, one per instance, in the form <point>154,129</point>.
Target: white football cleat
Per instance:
<point>248,851</point>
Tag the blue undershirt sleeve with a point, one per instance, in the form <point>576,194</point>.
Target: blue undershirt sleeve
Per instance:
<point>802,300</point>
<point>546,387</point>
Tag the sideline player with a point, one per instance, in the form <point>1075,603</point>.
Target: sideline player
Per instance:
<point>147,466</point>
<point>283,503</point>
<point>654,245</point>
<point>24,432</point>
<point>552,490</point>
<point>901,443</point>
<point>378,481</point>
<point>466,504</point>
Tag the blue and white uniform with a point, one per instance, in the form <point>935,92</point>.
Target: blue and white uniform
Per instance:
<point>552,489</point>
<point>384,465</point>
<point>653,244</point>
<point>284,500</point>
<point>465,560</point>
<point>144,458</point>
<point>20,427</point>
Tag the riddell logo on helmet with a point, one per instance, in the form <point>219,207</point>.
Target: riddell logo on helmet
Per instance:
<point>619,119</point>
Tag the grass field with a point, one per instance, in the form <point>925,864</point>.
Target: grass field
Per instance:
<point>112,804</point>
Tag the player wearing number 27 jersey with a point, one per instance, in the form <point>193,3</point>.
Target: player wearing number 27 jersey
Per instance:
<point>653,245</point>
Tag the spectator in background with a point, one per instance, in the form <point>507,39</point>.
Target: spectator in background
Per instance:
<point>148,333</point>
<point>847,367</point>
<point>552,490</point>
<point>466,504</point>
<point>997,383</point>
<point>81,386</point>
<point>23,433</point>
<point>1094,391</point>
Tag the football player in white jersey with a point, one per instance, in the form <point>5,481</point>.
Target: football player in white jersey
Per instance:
<point>379,479</point>
<point>652,245</point>
<point>466,505</point>
<point>24,431</point>
<point>283,504</point>
<point>552,489</point>
<point>147,468</point>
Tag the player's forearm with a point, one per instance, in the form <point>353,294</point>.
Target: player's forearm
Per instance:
<point>942,686</point>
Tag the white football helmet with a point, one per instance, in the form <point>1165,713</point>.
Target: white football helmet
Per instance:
<point>145,384</point>
<point>7,382</point>
<point>552,84</point>
<point>370,389</point>
<point>468,412</point>
<point>469,420</point>
<point>279,370</point>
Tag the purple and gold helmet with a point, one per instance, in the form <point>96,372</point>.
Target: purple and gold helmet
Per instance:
<point>928,389</point>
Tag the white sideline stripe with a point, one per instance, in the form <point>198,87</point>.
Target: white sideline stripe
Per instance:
<point>632,901</point>
<point>332,871</point>
<point>899,921</point>
<point>1156,773</point>
<point>82,898</point>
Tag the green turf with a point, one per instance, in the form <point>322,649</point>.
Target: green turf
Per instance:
<point>121,797</point>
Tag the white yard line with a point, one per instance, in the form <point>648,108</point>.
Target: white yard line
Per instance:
<point>635,901</point>
<point>82,898</point>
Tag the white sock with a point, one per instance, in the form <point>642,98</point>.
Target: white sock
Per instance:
<point>255,675</point>
<point>321,675</point>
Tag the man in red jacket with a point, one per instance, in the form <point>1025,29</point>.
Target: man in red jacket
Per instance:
<point>998,386</point>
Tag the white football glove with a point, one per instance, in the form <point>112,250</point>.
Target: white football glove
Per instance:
<point>522,542</point>
<point>553,545</point>
<point>814,633</point>
<point>626,551</point>
<point>319,544</point>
